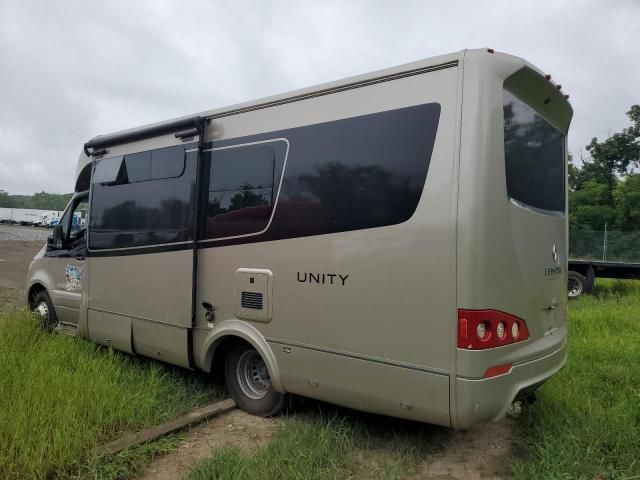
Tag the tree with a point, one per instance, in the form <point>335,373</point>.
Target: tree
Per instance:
<point>618,155</point>
<point>627,201</point>
<point>590,206</point>
<point>5,200</point>
<point>604,188</point>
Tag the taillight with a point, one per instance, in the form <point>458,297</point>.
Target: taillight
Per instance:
<point>481,329</point>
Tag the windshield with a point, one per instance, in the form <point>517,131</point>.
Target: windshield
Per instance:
<point>534,157</point>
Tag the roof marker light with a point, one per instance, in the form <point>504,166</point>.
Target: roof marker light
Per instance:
<point>491,50</point>
<point>566,97</point>
<point>547,76</point>
<point>559,87</point>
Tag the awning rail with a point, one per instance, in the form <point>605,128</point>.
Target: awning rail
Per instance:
<point>185,127</point>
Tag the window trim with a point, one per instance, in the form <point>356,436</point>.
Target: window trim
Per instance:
<point>275,199</point>
<point>105,252</point>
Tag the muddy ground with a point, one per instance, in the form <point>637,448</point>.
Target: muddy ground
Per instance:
<point>475,454</point>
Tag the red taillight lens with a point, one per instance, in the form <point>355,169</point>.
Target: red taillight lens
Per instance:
<point>497,370</point>
<point>481,329</point>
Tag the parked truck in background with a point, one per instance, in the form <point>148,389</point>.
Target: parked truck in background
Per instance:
<point>582,274</point>
<point>602,253</point>
<point>27,216</point>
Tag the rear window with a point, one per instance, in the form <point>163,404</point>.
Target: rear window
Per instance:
<point>534,157</point>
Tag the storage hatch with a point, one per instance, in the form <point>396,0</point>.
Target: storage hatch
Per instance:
<point>253,294</point>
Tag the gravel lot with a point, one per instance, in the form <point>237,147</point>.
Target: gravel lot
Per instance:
<point>25,234</point>
<point>18,245</point>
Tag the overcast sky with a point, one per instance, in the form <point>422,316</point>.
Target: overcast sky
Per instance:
<point>70,70</point>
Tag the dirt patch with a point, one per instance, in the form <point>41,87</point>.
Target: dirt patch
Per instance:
<point>236,429</point>
<point>475,454</point>
<point>15,257</point>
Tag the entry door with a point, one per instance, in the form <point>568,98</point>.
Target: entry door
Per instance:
<point>141,252</point>
<point>67,265</point>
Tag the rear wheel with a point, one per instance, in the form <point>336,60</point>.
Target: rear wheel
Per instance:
<point>249,383</point>
<point>576,283</point>
<point>43,307</point>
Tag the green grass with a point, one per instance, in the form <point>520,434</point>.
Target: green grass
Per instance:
<point>586,423</point>
<point>326,442</point>
<point>62,396</point>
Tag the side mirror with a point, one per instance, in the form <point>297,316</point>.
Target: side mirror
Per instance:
<point>58,237</point>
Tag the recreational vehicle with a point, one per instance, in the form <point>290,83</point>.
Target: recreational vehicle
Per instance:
<point>394,242</point>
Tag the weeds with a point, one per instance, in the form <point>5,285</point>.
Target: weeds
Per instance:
<point>586,423</point>
<point>61,396</point>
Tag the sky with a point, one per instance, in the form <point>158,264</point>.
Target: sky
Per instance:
<point>72,70</point>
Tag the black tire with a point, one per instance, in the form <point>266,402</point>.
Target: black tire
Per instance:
<point>249,383</point>
<point>591,279</point>
<point>576,284</point>
<point>43,307</point>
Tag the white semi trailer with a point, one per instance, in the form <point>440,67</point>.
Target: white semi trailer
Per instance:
<point>26,216</point>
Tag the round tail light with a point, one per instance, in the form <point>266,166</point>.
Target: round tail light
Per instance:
<point>481,330</point>
<point>501,331</point>
<point>515,330</point>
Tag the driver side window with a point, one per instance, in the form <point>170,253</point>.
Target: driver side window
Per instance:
<point>79,218</point>
<point>74,221</point>
<point>64,222</point>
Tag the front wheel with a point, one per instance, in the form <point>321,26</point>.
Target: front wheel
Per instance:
<point>576,283</point>
<point>43,307</point>
<point>249,383</point>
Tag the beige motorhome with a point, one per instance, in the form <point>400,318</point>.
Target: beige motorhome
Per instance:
<point>394,242</point>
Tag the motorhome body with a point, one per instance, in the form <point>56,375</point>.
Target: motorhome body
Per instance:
<point>379,242</point>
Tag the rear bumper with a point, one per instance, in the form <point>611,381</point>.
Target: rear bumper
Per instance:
<point>482,400</point>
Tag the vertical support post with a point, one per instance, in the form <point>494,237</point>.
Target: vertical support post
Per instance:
<point>604,245</point>
<point>201,129</point>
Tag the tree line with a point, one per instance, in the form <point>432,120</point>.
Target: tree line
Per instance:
<point>40,201</point>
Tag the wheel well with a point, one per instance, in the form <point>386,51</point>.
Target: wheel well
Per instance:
<point>221,348</point>
<point>35,289</point>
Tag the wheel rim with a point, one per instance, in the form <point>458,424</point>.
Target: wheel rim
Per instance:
<point>42,310</point>
<point>574,286</point>
<point>253,375</point>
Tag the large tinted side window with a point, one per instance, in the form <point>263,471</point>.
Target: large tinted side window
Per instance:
<point>534,157</point>
<point>142,199</point>
<point>362,172</point>
<point>349,174</point>
<point>242,189</point>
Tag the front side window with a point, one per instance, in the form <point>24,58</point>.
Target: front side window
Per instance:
<point>143,199</point>
<point>64,222</point>
<point>534,157</point>
<point>79,219</point>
